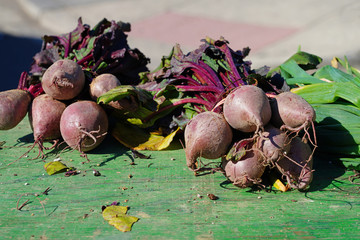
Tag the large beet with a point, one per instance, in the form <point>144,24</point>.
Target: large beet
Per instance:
<point>207,135</point>
<point>83,125</point>
<point>14,105</point>
<point>63,80</point>
<point>247,108</point>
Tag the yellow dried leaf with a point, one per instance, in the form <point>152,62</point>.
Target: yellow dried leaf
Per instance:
<point>116,216</point>
<point>334,63</point>
<point>139,139</point>
<point>55,167</point>
<point>157,142</point>
<point>280,186</point>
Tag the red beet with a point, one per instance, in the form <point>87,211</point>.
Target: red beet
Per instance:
<point>207,135</point>
<point>291,111</point>
<point>104,83</point>
<point>247,109</point>
<point>297,165</point>
<point>13,107</point>
<point>44,115</point>
<point>84,125</point>
<point>273,143</point>
<point>63,80</point>
<point>247,171</point>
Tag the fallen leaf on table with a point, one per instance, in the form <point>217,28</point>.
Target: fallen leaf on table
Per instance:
<point>280,186</point>
<point>116,216</point>
<point>55,167</point>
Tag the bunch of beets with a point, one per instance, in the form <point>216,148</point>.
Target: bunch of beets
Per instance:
<point>255,130</point>
<point>67,76</point>
<point>226,110</point>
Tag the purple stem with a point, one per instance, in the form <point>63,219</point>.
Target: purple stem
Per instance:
<point>84,59</point>
<point>35,90</point>
<point>235,82</point>
<point>199,70</point>
<point>246,74</point>
<point>228,55</point>
<point>199,88</point>
<point>68,47</point>
<point>229,84</point>
<point>22,81</point>
<point>212,73</point>
<point>189,79</point>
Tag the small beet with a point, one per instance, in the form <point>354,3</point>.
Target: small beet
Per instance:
<point>14,105</point>
<point>273,143</point>
<point>297,165</point>
<point>104,83</point>
<point>63,80</point>
<point>84,125</point>
<point>247,109</point>
<point>247,171</point>
<point>207,135</point>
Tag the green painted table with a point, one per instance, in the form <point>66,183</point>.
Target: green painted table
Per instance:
<point>164,194</point>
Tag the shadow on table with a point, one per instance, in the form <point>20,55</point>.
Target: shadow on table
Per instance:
<point>110,149</point>
<point>333,139</point>
<point>16,57</point>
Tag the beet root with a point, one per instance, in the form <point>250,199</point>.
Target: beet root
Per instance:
<point>14,105</point>
<point>292,112</point>
<point>63,80</point>
<point>83,125</point>
<point>44,115</point>
<point>207,135</point>
<point>104,83</point>
<point>247,171</point>
<point>247,109</point>
<point>273,143</point>
<point>297,165</point>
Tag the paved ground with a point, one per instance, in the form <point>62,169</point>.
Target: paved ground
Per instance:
<point>272,29</point>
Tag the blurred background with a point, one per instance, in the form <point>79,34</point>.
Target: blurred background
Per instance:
<point>273,30</point>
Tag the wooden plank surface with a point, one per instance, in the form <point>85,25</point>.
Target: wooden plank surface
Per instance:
<point>164,194</point>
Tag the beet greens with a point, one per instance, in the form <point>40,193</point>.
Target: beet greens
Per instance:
<point>102,49</point>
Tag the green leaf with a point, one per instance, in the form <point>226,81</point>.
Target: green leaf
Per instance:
<point>123,91</point>
<point>336,75</point>
<point>293,69</point>
<point>210,61</point>
<point>295,75</point>
<point>330,114</point>
<point>55,167</point>
<point>329,92</point>
<point>83,52</point>
<point>305,60</point>
<point>303,80</point>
